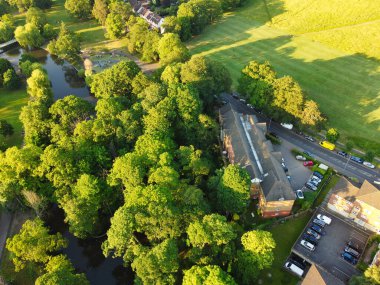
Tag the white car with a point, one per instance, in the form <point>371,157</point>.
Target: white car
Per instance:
<point>324,218</point>
<point>300,157</point>
<point>242,100</point>
<point>307,245</point>
<point>250,106</point>
<point>287,126</point>
<point>299,194</point>
<point>368,164</point>
<point>376,182</point>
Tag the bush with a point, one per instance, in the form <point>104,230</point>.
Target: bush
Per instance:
<point>332,135</point>
<point>349,145</point>
<point>273,139</point>
<point>10,79</point>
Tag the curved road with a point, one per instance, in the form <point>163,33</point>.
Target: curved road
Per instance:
<point>331,158</point>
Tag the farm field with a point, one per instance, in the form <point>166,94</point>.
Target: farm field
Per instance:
<point>346,85</point>
<point>10,108</point>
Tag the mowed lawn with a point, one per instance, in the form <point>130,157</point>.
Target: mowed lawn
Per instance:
<point>346,86</point>
<point>285,236</point>
<point>11,103</point>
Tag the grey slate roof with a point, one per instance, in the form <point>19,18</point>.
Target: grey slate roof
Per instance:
<point>275,184</point>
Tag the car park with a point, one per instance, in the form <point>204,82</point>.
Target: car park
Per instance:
<point>318,229</point>
<point>319,223</point>
<point>324,218</point>
<point>307,245</point>
<point>299,194</point>
<point>310,239</point>
<point>352,251</point>
<point>300,157</point>
<point>348,257</point>
<point>311,186</point>
<point>368,164</point>
<point>319,175</point>
<point>342,153</point>
<point>313,233</point>
<point>356,159</point>
<point>308,163</point>
<point>309,138</point>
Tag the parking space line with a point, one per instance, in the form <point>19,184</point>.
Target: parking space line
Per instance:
<point>341,271</point>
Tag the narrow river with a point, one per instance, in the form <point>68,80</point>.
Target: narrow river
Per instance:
<point>86,255</point>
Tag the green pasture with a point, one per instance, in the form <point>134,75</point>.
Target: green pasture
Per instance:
<point>346,86</point>
<point>10,108</point>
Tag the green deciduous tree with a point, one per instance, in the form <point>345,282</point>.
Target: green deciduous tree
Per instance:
<point>79,8</point>
<point>171,49</point>
<point>60,271</point>
<point>33,244</point>
<point>100,10</point>
<point>332,135</point>
<point>29,36</point>
<point>116,21</point>
<point>36,17</point>
<point>207,275</point>
<point>115,81</point>
<point>7,27</point>
<point>6,129</point>
<point>158,265</point>
<point>232,186</point>
<point>10,79</point>
<point>24,5</point>
<point>66,46</point>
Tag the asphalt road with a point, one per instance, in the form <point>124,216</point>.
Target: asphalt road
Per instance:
<point>331,158</point>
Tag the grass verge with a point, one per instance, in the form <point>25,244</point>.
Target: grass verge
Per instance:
<point>285,236</point>
<point>10,108</point>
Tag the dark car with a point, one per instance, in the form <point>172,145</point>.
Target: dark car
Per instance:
<point>352,251</point>
<point>308,153</point>
<point>356,159</point>
<point>235,96</point>
<point>314,182</point>
<point>319,175</point>
<point>319,223</point>
<point>348,257</point>
<point>353,245</point>
<point>318,229</point>
<point>343,153</point>
<point>274,135</point>
<point>310,239</point>
<point>310,232</point>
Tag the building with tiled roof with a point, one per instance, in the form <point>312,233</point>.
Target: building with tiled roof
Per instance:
<point>319,276</point>
<point>361,205</point>
<point>246,145</point>
<point>142,9</point>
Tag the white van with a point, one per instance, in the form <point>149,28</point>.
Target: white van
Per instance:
<point>294,268</point>
<point>287,126</point>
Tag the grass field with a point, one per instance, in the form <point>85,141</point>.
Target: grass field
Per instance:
<point>285,236</point>
<point>10,108</point>
<point>345,85</point>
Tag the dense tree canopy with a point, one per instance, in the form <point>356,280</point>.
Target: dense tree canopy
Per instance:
<point>207,275</point>
<point>171,49</point>
<point>79,8</point>
<point>66,46</point>
<point>100,10</point>
<point>24,5</point>
<point>7,27</point>
<point>36,17</point>
<point>34,244</point>
<point>29,36</point>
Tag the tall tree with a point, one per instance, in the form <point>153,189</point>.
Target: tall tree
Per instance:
<point>100,10</point>
<point>7,27</point>
<point>66,46</point>
<point>33,244</point>
<point>171,49</point>
<point>116,21</point>
<point>311,115</point>
<point>36,17</point>
<point>207,275</point>
<point>60,271</point>
<point>79,8</point>
<point>29,36</point>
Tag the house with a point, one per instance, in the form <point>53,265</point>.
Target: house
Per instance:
<point>142,9</point>
<point>245,144</point>
<point>361,205</point>
<point>318,276</point>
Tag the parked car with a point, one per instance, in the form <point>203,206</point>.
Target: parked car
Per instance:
<point>316,178</point>
<point>299,194</point>
<point>348,257</point>
<point>356,159</point>
<point>242,100</point>
<point>294,268</point>
<point>308,153</point>
<point>319,175</point>
<point>309,138</point>
<point>353,245</point>
<point>308,163</point>
<point>283,164</point>
<point>249,106</point>
<point>352,251</point>
<point>313,233</point>
<point>319,222</point>
<point>342,153</point>
<point>311,186</point>
<point>289,177</point>
<point>327,145</point>
<point>287,126</point>
<point>376,182</point>
<point>318,229</point>
<point>314,182</point>
<point>324,218</point>
<point>307,245</point>
<point>300,157</point>
<point>310,239</point>
<point>235,95</point>
<point>368,164</point>
<point>300,264</point>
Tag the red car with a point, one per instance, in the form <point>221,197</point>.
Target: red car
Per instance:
<point>308,163</point>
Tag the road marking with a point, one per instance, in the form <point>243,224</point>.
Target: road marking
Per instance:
<point>341,271</point>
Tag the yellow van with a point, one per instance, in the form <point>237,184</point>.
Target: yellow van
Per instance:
<point>327,145</point>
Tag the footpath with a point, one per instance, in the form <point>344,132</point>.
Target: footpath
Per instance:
<point>5,222</point>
